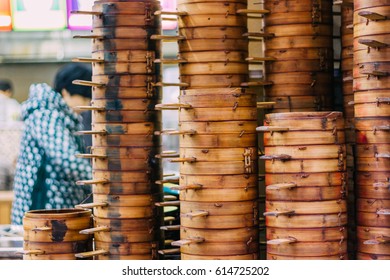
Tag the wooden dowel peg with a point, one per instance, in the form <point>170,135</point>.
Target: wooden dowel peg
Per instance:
<point>92,205</point>
<point>169,175</point>
<point>168,203</point>
<point>372,16</point>
<point>90,254</point>
<point>169,197</point>
<point>349,26</point>
<point>260,59</point>
<point>258,35</point>
<point>169,219</point>
<point>98,37</point>
<point>252,11</point>
<point>195,214</point>
<point>382,155</point>
<point>91,132</point>
<point>348,79</point>
<point>282,241</point>
<point>272,129</point>
<point>264,104</point>
<point>90,108</point>
<point>256,84</point>
<point>188,241</point>
<point>275,157</point>
<point>93,230</point>
<point>86,59</point>
<point>168,154</point>
<point>173,181</point>
<point>189,160</point>
<point>88,83</point>
<point>168,19</point>
<point>279,213</point>
<point>170,61</point>
<point>90,156</point>
<point>93,13</point>
<point>383,100</point>
<point>382,185</point>
<point>175,132</point>
<point>172,106</point>
<point>91,182</point>
<point>378,240</point>
<point>375,73</point>
<point>169,251</point>
<point>167,38</point>
<point>30,252</point>
<point>188,187</point>
<point>170,13</point>
<point>162,84</point>
<point>372,43</point>
<point>42,229</point>
<point>281,186</point>
<point>170,228</point>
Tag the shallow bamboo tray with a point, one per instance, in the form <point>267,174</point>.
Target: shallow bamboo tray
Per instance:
<point>305,193</point>
<point>233,140</point>
<point>122,177</point>
<point>114,68</point>
<point>219,127</point>
<point>219,181</point>
<point>206,20</point>
<point>305,165</point>
<point>298,42</point>
<point>134,56</point>
<point>217,155</point>
<point>306,208</point>
<point>210,195</point>
<point>307,235</point>
<point>220,248</point>
<point>309,249</point>
<point>307,221</point>
<point>299,29</point>
<point>307,179</point>
<point>99,45</point>
<point>126,248</point>
<point>219,167</point>
<point>124,80</point>
<point>125,93</point>
<point>219,209</point>
<point>218,114</point>
<point>198,45</point>
<point>127,237</point>
<point>306,152</point>
<point>125,32</point>
<point>128,116</point>
<point>213,81</point>
<point>214,68</point>
<point>125,212</point>
<point>213,32</point>
<point>228,235</point>
<point>136,140</point>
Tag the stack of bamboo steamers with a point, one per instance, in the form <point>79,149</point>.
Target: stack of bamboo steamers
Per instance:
<point>299,55</point>
<point>371,102</point>
<point>126,222</point>
<point>217,128</point>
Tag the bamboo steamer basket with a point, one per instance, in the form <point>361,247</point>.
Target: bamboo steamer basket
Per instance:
<point>122,20</point>
<point>37,235</point>
<point>124,129</point>
<point>134,56</point>
<point>304,53</point>
<point>307,221</point>
<point>233,140</point>
<point>125,188</point>
<point>372,178</point>
<point>123,152</point>
<point>294,102</point>
<point>305,193</point>
<point>285,6</point>
<point>322,179</point>
<point>127,248</point>
<point>377,249</point>
<point>125,93</point>
<point>292,29</point>
<point>220,222</point>
<point>372,137</point>
<point>54,248</point>
<point>125,225</point>
<point>372,205</point>
<point>303,207</point>
<point>219,181</point>
<point>298,42</point>
<point>125,212</point>
<point>357,42</point>
<point>370,151</point>
<point>369,67</point>
<point>298,66</point>
<point>99,45</point>
<point>214,56</point>
<point>124,104</point>
<point>216,155</point>
<point>219,127</point>
<point>122,8</point>
<point>127,32</point>
<point>306,235</point>
<point>127,257</point>
<point>253,256</point>
<point>300,78</point>
<point>206,20</point>
<point>293,89</point>
<point>340,256</point>
<point>115,68</point>
<point>219,208</point>
<point>361,28</point>
<point>128,237</point>
<point>50,257</point>
<point>379,96</point>
<point>372,109</point>
<point>362,56</point>
<point>236,92</point>
<point>120,164</point>
<point>220,248</point>
<point>123,80</point>
<point>273,18</point>
<point>364,84</point>
<point>214,68</point>
<point>208,8</point>
<point>361,4</point>
<point>369,233</point>
<point>309,249</point>
<point>310,109</point>
<point>213,81</point>
<point>129,116</point>
<point>125,200</point>
<point>210,195</point>
<point>302,137</point>
<point>373,164</point>
<point>372,124</point>
<point>218,167</point>
<point>122,177</point>
<point>382,10</point>
<point>364,256</point>
<point>136,140</point>
<point>305,152</point>
<point>228,235</point>
<point>218,114</point>
<point>305,165</point>
<point>213,32</point>
<point>199,45</point>
<point>372,219</point>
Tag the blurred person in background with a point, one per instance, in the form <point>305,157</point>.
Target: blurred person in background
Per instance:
<point>47,169</point>
<point>9,108</point>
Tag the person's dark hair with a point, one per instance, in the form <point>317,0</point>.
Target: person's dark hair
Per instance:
<point>70,72</point>
<point>5,85</point>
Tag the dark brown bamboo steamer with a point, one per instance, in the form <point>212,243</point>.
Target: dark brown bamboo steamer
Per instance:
<point>370,151</point>
<point>305,166</point>
<point>49,248</point>
<point>70,256</point>
<point>122,128</point>
<point>220,181</point>
<point>214,56</point>
<point>218,114</point>
<point>308,234</point>
<point>217,155</point>
<point>300,102</point>
<point>128,237</point>
<point>125,93</point>
<point>122,20</point>
<point>220,248</point>
<point>218,101</point>
<point>206,20</point>
<point>298,42</point>
<point>377,249</point>
<point>276,6</point>
<point>347,39</point>
<point>122,177</point>
<point>124,80</point>
<point>372,219</point>
<point>347,63</point>
<point>219,209</point>
<point>213,32</point>
<point>307,121</point>
<point>99,45</point>
<point>300,78</point>
<point>362,56</point>
<point>198,45</point>
<point>205,141</point>
<point>126,257</point>
<point>307,137</point>
<point>253,256</point>
<point>126,248</point>
<point>305,53</point>
<point>372,205</point>
<point>307,179</point>
<point>228,235</point>
<point>306,193</point>
<point>309,249</point>
<point>118,224</point>
<point>214,68</point>
<point>307,221</point>
<point>220,127</point>
<point>125,188</point>
<point>362,4</point>
<point>364,256</point>
<point>299,29</point>
<point>128,116</point>
<point>126,200</point>
<point>126,8</point>
<point>307,151</point>
<point>114,68</point>
<point>125,212</point>
<point>127,32</point>
<point>340,256</point>
<point>293,89</point>
<point>220,222</point>
<point>298,66</point>
<point>135,140</point>
<point>347,52</point>
<point>213,81</point>
<point>305,208</point>
<point>214,194</point>
<point>370,178</point>
<point>373,164</point>
<point>367,233</point>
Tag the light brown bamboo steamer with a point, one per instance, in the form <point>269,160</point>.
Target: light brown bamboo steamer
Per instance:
<point>213,32</point>
<point>228,235</point>
<point>303,138</point>
<point>286,6</point>
<point>304,53</point>
<point>125,93</point>
<point>377,249</point>
<point>368,233</point>
<point>219,209</point>
<point>125,152</point>
<point>125,8</point>
<point>358,46</point>
<point>198,45</point>
<point>122,20</point>
<point>298,66</point>
<point>304,208</point>
<point>307,179</point>
<point>305,166</point>
<point>220,248</point>
<point>363,29</point>
<point>370,178</point>
<point>214,56</point>
<point>298,42</point>
<point>299,29</point>
<point>253,256</point>
<point>124,188</point>
<point>126,200</point>
<point>217,155</point>
<point>218,114</point>
<point>118,224</point>
<point>128,116</point>
<point>206,20</point>
<point>126,248</point>
<point>124,104</point>
<point>120,164</point>
<point>218,101</point>
<point>214,194</point>
<point>364,110</point>
<point>371,96</point>
<point>43,236</point>
<point>309,249</point>
<point>293,89</point>
<point>121,129</point>
<point>220,222</point>
<point>136,140</point>
<point>50,257</point>
<point>369,67</point>
<point>51,248</point>
<point>307,151</point>
<point>362,4</point>
<point>124,212</point>
<point>300,78</point>
<point>99,45</point>
<point>373,164</point>
<point>305,193</point>
<point>220,92</point>
<point>362,56</point>
<point>374,124</point>
<point>369,137</point>
<point>124,80</point>
<point>364,256</point>
<point>379,191</point>
<point>127,32</point>
<point>308,234</point>
<point>309,109</point>
<point>372,219</point>
<point>128,237</point>
<point>213,81</point>
<point>370,151</point>
<point>300,102</point>
<point>234,140</point>
<point>126,257</point>
<point>322,17</point>
<point>219,181</point>
<point>114,68</point>
<point>307,221</point>
<point>382,10</point>
<point>122,177</point>
<point>214,68</point>
<point>209,8</point>
<point>219,127</point>
<point>219,167</point>
<point>340,256</point>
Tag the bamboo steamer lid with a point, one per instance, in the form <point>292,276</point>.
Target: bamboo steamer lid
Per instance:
<point>253,256</point>
<point>309,249</point>
<point>307,220</point>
